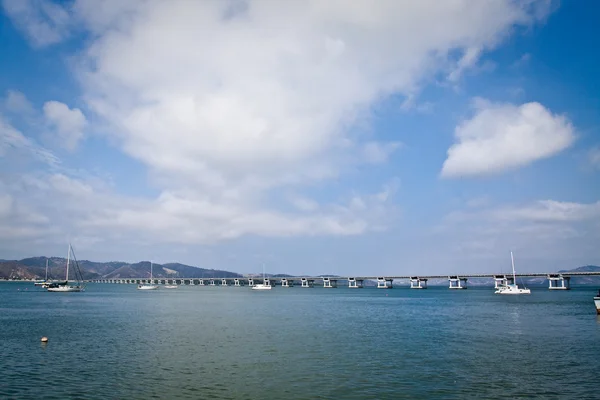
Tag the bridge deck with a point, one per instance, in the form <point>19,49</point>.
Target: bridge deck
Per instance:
<point>387,277</point>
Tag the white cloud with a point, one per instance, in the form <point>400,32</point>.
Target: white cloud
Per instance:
<point>550,211</point>
<point>229,108</point>
<point>594,157</point>
<point>68,123</point>
<point>469,58</point>
<point>303,203</point>
<point>6,204</point>
<point>377,153</point>
<point>556,234</point>
<point>522,61</point>
<point>14,143</point>
<point>42,21</point>
<point>16,102</point>
<point>216,99</point>
<point>504,136</point>
<point>411,104</point>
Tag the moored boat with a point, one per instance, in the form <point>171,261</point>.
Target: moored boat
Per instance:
<point>512,288</point>
<point>264,285</point>
<point>148,286</point>
<point>65,286</point>
<point>597,302</point>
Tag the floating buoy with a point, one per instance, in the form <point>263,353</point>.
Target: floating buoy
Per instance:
<point>44,339</point>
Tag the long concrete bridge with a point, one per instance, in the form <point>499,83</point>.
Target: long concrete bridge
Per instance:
<point>556,281</point>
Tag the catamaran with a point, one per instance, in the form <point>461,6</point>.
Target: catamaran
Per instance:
<point>512,288</point>
<point>64,286</point>
<point>148,286</point>
<point>262,286</point>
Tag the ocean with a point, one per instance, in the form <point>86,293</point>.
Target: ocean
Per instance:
<point>116,342</point>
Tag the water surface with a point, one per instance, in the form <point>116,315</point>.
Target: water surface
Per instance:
<point>114,341</point>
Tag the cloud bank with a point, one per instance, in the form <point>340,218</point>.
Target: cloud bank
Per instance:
<point>500,137</point>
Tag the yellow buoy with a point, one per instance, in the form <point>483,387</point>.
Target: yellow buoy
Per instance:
<point>44,339</point>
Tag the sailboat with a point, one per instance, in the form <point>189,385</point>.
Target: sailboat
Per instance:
<point>262,286</point>
<point>148,286</point>
<point>174,285</point>
<point>512,288</point>
<point>597,302</point>
<point>65,287</point>
<point>45,282</point>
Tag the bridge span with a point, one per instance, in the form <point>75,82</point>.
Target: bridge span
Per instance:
<point>556,281</point>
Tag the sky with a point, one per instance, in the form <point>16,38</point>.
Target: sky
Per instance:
<point>312,137</point>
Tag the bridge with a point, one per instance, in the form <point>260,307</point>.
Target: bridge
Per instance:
<point>556,281</point>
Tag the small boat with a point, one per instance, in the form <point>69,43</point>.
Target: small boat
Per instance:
<point>45,284</point>
<point>512,288</point>
<point>262,286</point>
<point>65,286</point>
<point>174,286</point>
<point>148,286</point>
<point>597,302</point>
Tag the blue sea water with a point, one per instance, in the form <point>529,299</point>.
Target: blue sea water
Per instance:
<point>115,342</point>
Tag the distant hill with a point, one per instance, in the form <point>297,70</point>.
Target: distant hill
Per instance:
<point>584,280</point>
<point>585,268</point>
<point>35,268</point>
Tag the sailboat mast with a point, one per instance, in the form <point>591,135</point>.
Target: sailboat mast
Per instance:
<point>68,257</point>
<point>46,270</point>
<point>150,271</point>
<point>512,260</point>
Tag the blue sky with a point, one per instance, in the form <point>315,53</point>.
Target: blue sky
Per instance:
<point>431,137</point>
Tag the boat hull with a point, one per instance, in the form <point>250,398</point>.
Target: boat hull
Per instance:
<point>147,287</point>
<point>512,289</point>
<point>65,289</point>
<point>171,286</point>
<point>261,287</point>
<point>597,303</point>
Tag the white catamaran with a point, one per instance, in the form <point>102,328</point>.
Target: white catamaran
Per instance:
<point>512,288</point>
<point>65,287</point>
<point>148,286</point>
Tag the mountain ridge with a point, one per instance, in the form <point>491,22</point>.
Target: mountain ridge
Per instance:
<point>34,268</point>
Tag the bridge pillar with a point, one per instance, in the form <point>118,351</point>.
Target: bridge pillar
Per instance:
<point>384,283</point>
<point>559,282</point>
<point>307,282</point>
<point>354,283</point>
<point>224,282</point>
<point>286,283</point>
<point>201,282</point>
<point>250,281</point>
<point>329,283</point>
<point>500,281</point>
<point>192,283</point>
<point>418,283</point>
<point>212,282</point>
<point>236,282</point>
<point>267,281</point>
<point>456,282</point>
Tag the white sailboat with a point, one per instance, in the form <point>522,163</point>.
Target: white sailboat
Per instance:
<point>174,285</point>
<point>597,302</point>
<point>65,287</point>
<point>148,286</point>
<point>45,282</point>
<point>512,288</point>
<point>262,286</point>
